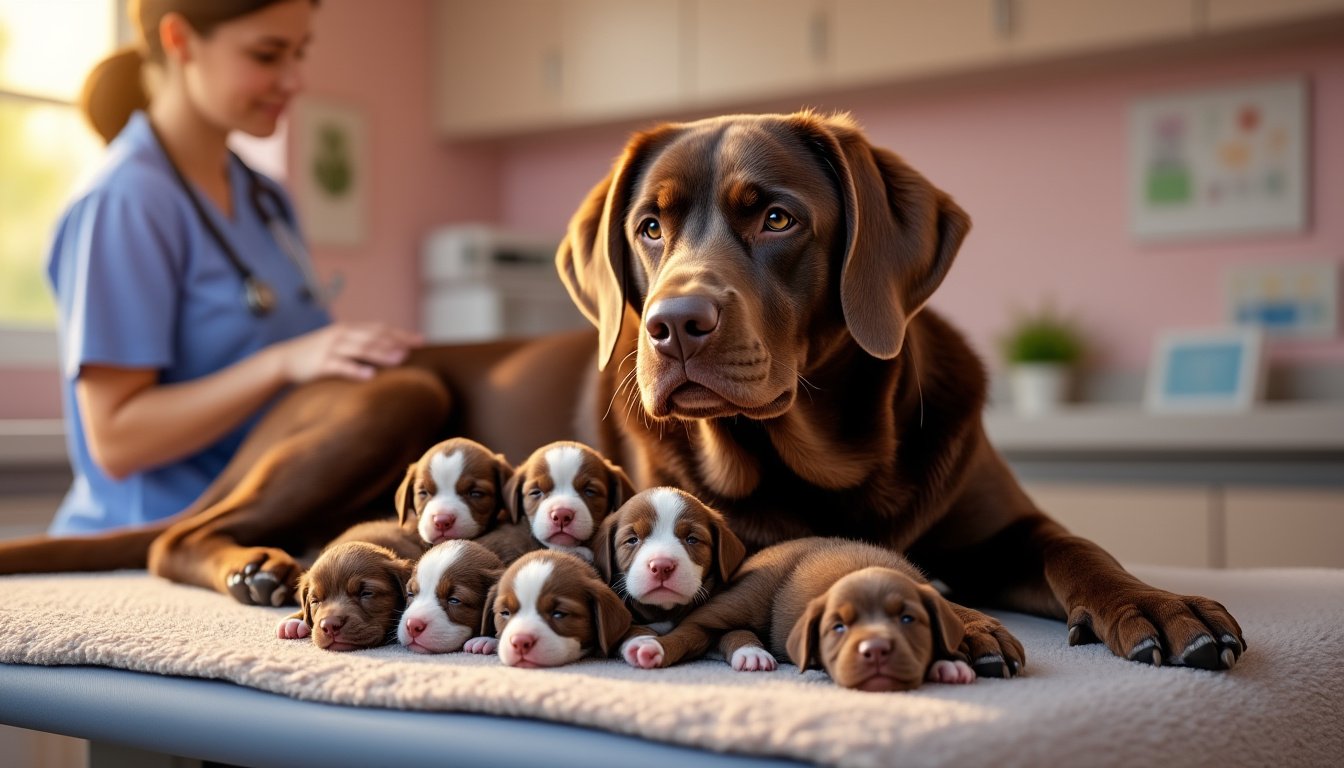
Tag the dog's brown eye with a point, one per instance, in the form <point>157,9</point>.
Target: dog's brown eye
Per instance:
<point>776,220</point>
<point>651,229</point>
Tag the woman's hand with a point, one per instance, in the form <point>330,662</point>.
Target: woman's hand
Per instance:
<point>345,350</point>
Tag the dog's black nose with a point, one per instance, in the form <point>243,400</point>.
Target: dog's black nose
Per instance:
<point>680,326</point>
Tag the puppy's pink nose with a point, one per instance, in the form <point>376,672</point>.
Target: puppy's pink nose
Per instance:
<point>562,516</point>
<point>414,627</point>
<point>444,522</point>
<point>523,642</point>
<point>662,567</point>
<point>332,625</point>
<point>875,649</point>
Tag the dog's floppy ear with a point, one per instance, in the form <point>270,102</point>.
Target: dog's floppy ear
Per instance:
<point>611,619</point>
<point>804,638</point>
<point>619,487</point>
<point>503,474</point>
<point>513,493</point>
<point>304,607</point>
<point>594,257</point>
<point>902,234</point>
<point>399,572</point>
<point>488,611</point>
<point>728,549</point>
<point>405,500</point>
<point>604,547</point>
<point>948,631</point>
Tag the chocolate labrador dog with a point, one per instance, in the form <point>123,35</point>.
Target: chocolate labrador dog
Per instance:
<point>758,286</point>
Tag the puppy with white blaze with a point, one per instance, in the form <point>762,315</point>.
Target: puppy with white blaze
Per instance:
<point>446,596</point>
<point>454,491</point>
<point>550,609</point>
<point>566,489</point>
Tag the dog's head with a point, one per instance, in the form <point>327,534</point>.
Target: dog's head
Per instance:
<point>876,630</point>
<point>550,608</point>
<point>566,489</point>
<point>666,548</point>
<point>749,249</point>
<point>455,491</point>
<point>446,596</point>
<point>352,595</point>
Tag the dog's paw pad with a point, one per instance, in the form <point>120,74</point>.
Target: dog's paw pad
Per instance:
<point>954,672</point>
<point>753,659</point>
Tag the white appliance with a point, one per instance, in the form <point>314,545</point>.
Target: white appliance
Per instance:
<point>483,283</point>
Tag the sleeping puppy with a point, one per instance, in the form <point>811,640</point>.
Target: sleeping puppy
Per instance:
<point>350,598</point>
<point>446,596</point>
<point>565,489</point>
<point>666,552</point>
<point>550,608</point>
<point>454,491</point>
<point>863,613</point>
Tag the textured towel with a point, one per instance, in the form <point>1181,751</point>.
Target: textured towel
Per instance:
<point>1281,705</point>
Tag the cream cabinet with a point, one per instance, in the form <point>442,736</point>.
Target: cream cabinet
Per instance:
<point>1037,28</point>
<point>621,58</point>
<point>1222,15</point>
<point>1284,527</point>
<point>746,50</point>
<point>875,40</point>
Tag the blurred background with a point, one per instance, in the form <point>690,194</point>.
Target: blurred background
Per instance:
<point>1134,169</point>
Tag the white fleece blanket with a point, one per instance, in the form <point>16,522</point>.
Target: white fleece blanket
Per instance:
<point>1282,705</point>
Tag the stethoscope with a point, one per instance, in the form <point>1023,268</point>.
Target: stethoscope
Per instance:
<point>257,294</point>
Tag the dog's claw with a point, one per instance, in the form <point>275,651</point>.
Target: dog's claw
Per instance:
<point>1229,658</point>
<point>991,666</point>
<point>1202,653</point>
<point>1147,652</point>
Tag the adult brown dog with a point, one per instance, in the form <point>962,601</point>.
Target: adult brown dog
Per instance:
<point>757,285</point>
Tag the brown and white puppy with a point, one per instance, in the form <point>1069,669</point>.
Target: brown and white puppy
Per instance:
<point>551,608</point>
<point>454,491</point>
<point>350,598</point>
<point>565,489</point>
<point>446,596</point>
<point>665,552</point>
<point>863,613</point>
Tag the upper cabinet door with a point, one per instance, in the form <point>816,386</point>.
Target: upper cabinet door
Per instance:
<point>747,50</point>
<point>623,57</point>
<point>497,65</point>
<point>1241,14</point>
<point>875,40</point>
<point>1045,27</point>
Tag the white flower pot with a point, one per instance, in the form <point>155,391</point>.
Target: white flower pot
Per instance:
<point>1039,387</point>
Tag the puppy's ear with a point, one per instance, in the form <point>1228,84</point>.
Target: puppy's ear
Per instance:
<point>513,493</point>
<point>948,631</point>
<point>902,233</point>
<point>594,258</point>
<point>405,500</point>
<point>611,619</point>
<point>604,548</point>
<point>728,550</point>
<point>488,612</point>
<point>305,608</point>
<point>804,640</point>
<point>619,487</point>
<point>399,572</point>
<point>503,474</point>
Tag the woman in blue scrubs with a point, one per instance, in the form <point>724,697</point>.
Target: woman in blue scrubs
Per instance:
<point>178,273</point>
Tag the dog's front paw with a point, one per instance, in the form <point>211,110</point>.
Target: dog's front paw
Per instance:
<point>292,629</point>
<point>643,652</point>
<point>944,671</point>
<point>990,647</point>
<point>261,576</point>
<point>753,658</point>
<point>1152,626</point>
<point>482,645</point>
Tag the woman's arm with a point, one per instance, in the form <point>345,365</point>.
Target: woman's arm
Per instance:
<point>134,423</point>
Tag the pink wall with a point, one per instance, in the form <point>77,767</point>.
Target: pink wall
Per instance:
<point>1041,165</point>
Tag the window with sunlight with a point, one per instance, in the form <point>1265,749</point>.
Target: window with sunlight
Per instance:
<point>46,49</point>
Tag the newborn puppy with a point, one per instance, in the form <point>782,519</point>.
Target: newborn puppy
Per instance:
<point>565,489</point>
<point>446,596</point>
<point>666,552</point>
<point>453,491</point>
<point>863,613</point>
<point>350,598</point>
<point>550,608</point>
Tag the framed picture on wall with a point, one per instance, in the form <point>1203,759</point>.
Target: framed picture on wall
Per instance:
<point>1219,369</point>
<point>331,171</point>
<point>1219,162</point>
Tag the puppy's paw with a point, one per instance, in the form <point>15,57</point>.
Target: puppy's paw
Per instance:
<point>752,658</point>
<point>643,652</point>
<point>944,671</point>
<point>291,628</point>
<point>992,650</point>
<point>481,645</point>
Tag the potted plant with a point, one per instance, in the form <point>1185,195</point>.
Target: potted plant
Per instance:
<point>1042,349</point>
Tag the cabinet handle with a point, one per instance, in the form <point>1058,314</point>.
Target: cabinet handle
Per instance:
<point>1003,17</point>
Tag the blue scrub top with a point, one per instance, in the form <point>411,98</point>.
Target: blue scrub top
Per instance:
<point>141,283</point>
